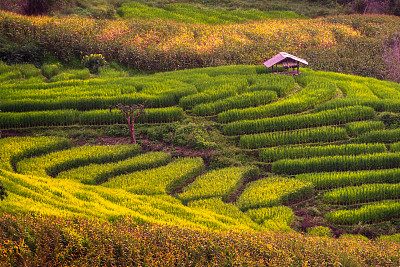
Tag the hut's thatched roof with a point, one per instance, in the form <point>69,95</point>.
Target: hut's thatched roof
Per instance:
<point>282,56</point>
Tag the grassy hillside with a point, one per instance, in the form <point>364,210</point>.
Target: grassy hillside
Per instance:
<point>226,148</point>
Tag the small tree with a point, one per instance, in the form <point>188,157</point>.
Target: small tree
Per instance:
<point>131,113</point>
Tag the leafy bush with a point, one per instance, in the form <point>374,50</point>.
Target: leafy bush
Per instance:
<point>93,62</point>
<point>50,70</point>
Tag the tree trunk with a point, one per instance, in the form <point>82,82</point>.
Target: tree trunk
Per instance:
<point>132,132</point>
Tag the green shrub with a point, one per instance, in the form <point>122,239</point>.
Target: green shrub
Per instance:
<point>50,70</point>
<point>93,62</point>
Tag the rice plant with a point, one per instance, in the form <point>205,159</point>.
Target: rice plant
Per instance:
<point>273,191</point>
<point>312,135</point>
<point>240,101</point>
<point>100,173</point>
<point>337,163</point>
<point>290,122</point>
<point>327,180</point>
<point>160,180</point>
<point>306,98</point>
<point>376,212</point>
<point>362,193</point>
<point>359,127</point>
<point>219,183</point>
<point>381,136</point>
<point>295,152</point>
<point>56,162</point>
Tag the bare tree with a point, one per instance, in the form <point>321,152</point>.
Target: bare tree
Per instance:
<point>131,113</point>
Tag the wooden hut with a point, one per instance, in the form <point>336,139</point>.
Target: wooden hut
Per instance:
<point>288,62</point>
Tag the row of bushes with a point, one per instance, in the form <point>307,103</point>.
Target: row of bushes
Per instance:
<point>278,153</point>
<point>311,135</point>
<point>94,117</point>
<point>380,105</point>
<point>244,100</point>
<point>328,180</point>
<point>273,191</point>
<point>290,122</point>
<point>370,213</point>
<point>100,173</point>
<point>159,180</point>
<point>53,163</point>
<point>337,163</point>
<point>219,183</point>
<point>13,150</point>
<point>306,98</point>
<point>362,194</point>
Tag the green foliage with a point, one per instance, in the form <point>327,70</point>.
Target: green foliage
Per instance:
<point>389,105</point>
<point>15,149</point>
<point>93,117</point>
<point>278,153</point>
<point>290,122</point>
<point>100,173</point>
<point>273,191</point>
<point>93,62</point>
<point>229,210</point>
<point>188,13</point>
<point>54,163</point>
<point>319,231</point>
<point>218,183</point>
<point>390,238</point>
<point>362,194</point>
<point>312,135</point>
<point>337,163</point>
<point>50,70</point>
<point>268,216</point>
<point>351,178</point>
<point>360,127</point>
<point>306,98</point>
<point>381,136</point>
<point>160,180</point>
<point>192,135</point>
<point>244,100</point>
<point>71,75</point>
<point>366,214</point>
